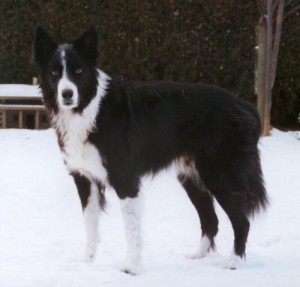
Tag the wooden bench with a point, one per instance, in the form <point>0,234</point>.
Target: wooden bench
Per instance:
<point>20,99</point>
<point>20,109</point>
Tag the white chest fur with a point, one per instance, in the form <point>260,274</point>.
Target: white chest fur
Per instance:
<point>85,159</point>
<point>79,154</point>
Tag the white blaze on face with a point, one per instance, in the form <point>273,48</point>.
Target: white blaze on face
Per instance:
<point>67,92</point>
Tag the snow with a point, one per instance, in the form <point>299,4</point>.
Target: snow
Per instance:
<point>42,234</point>
<point>21,90</point>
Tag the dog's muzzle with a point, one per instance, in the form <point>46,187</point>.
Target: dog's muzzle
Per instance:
<point>67,96</point>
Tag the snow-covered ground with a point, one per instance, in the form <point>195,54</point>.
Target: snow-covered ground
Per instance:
<point>42,233</point>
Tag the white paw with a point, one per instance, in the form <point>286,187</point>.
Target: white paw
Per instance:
<point>81,259</point>
<point>196,255</point>
<point>203,249</point>
<point>233,262</point>
<point>90,251</point>
<point>130,269</point>
<point>88,257</point>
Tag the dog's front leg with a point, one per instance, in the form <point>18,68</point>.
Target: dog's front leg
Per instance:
<point>91,219</point>
<point>131,210</point>
<point>89,192</point>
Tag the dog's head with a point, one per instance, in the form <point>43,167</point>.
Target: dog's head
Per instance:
<point>68,72</point>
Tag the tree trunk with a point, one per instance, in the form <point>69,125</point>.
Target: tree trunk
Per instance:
<point>268,42</point>
<point>269,58</point>
<point>277,36</point>
<point>261,30</point>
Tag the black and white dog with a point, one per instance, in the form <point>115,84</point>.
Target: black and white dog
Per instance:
<point>112,131</point>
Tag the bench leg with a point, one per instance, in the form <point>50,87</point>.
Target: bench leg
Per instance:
<point>4,119</point>
<point>37,120</point>
<point>20,119</point>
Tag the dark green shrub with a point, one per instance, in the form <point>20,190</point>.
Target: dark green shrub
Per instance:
<point>186,40</point>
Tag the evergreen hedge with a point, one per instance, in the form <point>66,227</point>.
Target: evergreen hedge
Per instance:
<point>186,40</point>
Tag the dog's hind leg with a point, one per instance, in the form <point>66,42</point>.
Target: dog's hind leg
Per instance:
<point>240,225</point>
<point>229,188</point>
<point>92,200</point>
<point>203,202</point>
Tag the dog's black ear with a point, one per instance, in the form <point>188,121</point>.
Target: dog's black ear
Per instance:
<point>43,47</point>
<point>87,44</point>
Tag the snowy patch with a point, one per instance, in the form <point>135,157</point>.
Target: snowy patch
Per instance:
<point>42,227</point>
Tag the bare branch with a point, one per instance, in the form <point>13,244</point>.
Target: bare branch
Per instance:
<point>276,5</point>
<point>292,11</point>
<point>275,9</point>
<point>258,5</point>
<point>262,6</point>
<point>288,3</point>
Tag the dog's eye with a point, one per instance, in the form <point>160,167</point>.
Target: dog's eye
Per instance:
<point>54,72</point>
<point>78,71</point>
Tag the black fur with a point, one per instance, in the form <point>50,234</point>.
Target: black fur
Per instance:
<point>143,127</point>
<point>84,186</point>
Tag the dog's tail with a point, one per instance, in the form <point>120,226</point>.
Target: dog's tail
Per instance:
<point>257,197</point>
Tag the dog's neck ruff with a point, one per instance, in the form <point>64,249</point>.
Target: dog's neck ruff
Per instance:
<point>72,127</point>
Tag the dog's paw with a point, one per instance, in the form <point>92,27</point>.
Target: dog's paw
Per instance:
<point>129,269</point>
<point>233,262</point>
<point>88,257</point>
<point>204,247</point>
<point>79,259</point>
<point>195,256</point>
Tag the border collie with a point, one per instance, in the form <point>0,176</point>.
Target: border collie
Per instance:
<point>112,131</point>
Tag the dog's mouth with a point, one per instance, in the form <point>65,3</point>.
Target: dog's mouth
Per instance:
<point>69,107</point>
<point>68,103</point>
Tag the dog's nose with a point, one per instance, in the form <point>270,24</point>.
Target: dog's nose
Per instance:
<point>67,94</point>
